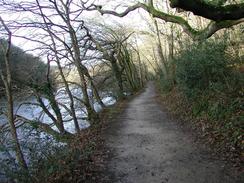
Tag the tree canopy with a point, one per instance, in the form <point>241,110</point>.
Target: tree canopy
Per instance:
<point>25,67</point>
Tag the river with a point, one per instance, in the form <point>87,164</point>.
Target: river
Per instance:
<point>26,106</point>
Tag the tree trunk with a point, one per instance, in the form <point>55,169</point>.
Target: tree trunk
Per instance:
<point>140,66</point>
<point>8,90</point>
<point>96,93</point>
<point>19,154</point>
<point>160,50</point>
<point>118,76</point>
<point>72,106</point>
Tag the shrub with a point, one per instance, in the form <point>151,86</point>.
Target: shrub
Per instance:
<point>208,76</point>
<point>202,67</point>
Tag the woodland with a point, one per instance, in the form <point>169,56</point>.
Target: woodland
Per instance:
<point>66,63</point>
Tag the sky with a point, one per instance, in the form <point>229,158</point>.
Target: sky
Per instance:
<point>133,19</point>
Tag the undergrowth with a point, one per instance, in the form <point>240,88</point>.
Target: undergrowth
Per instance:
<point>80,160</point>
<point>209,92</point>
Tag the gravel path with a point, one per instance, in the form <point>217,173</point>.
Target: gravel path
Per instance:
<point>146,146</point>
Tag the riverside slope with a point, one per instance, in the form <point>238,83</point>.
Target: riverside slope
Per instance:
<point>146,146</point>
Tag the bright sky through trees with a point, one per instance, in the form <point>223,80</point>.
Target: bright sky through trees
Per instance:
<point>134,20</point>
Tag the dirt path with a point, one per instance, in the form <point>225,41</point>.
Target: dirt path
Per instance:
<point>148,147</point>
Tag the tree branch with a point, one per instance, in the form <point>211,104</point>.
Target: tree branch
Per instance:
<point>210,11</point>
<point>193,33</point>
<point>46,128</point>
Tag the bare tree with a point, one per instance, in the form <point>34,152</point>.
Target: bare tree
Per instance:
<point>7,80</point>
<point>66,39</point>
<point>114,47</point>
<point>63,10</point>
<point>72,107</point>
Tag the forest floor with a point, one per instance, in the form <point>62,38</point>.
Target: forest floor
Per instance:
<point>144,144</point>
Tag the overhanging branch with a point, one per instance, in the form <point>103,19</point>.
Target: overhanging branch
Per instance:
<point>210,11</point>
<point>193,33</point>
